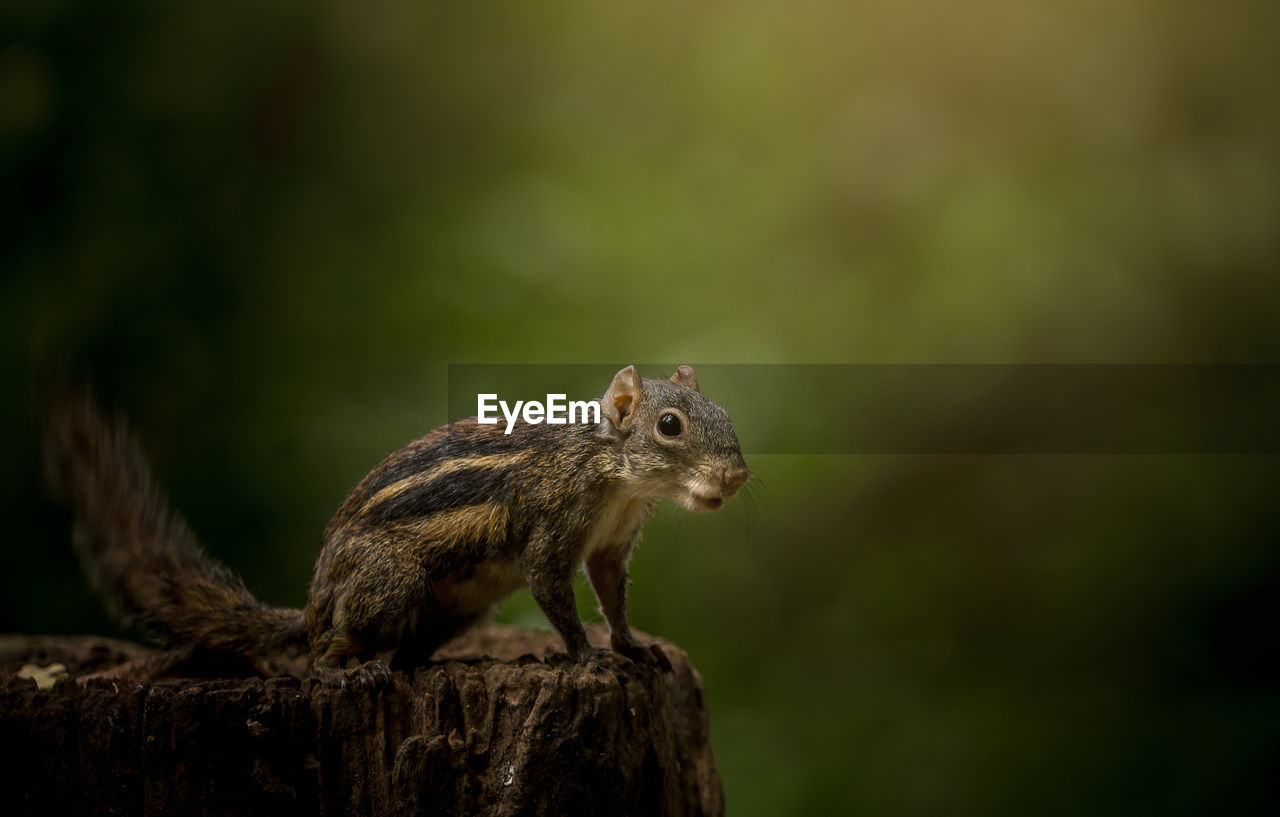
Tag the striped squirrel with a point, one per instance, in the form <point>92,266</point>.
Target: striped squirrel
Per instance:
<point>426,544</point>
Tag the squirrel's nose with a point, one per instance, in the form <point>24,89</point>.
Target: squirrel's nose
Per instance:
<point>732,477</point>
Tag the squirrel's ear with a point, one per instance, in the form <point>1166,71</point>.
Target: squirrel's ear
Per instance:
<point>684,376</point>
<point>623,394</point>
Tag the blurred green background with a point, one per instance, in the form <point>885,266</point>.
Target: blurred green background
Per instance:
<point>263,231</point>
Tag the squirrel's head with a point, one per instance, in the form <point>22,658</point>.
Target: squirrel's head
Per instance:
<point>675,442</point>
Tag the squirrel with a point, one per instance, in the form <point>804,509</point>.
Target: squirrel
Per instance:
<point>426,544</point>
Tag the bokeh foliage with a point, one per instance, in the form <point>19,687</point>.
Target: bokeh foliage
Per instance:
<point>264,229</point>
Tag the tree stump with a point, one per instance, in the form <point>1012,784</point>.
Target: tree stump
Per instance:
<point>500,724</point>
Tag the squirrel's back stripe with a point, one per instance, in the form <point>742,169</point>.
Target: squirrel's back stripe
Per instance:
<point>460,526</point>
<point>404,497</point>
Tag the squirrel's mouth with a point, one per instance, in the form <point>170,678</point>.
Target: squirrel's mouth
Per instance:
<point>697,502</point>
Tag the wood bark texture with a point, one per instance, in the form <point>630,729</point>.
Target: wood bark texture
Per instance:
<point>501,724</point>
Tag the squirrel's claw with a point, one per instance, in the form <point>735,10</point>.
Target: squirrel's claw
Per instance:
<point>650,654</point>
<point>369,675</point>
<point>656,655</point>
<point>602,658</point>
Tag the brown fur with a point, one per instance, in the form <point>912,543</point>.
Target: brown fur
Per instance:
<point>432,538</point>
<point>141,555</point>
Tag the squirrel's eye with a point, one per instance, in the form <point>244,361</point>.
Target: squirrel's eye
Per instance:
<point>669,425</point>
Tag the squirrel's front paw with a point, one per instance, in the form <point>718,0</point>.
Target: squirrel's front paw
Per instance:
<point>650,654</point>
<point>597,658</point>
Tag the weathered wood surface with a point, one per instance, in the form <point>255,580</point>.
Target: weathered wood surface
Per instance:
<point>501,725</point>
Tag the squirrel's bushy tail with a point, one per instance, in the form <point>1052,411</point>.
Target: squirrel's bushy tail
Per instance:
<point>140,554</point>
